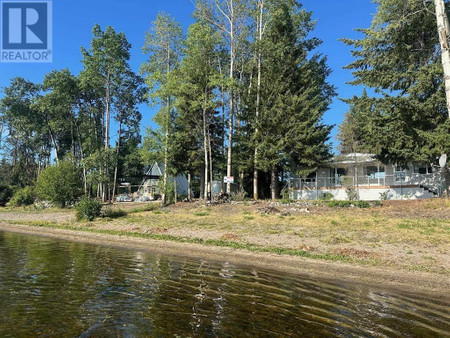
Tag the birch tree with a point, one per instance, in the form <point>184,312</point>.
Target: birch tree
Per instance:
<point>163,48</point>
<point>444,34</point>
<point>230,17</point>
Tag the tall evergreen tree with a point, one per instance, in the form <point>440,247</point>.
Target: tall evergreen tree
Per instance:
<point>27,141</point>
<point>105,63</point>
<point>294,95</point>
<point>399,58</point>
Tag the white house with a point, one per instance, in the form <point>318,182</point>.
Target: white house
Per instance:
<point>369,179</point>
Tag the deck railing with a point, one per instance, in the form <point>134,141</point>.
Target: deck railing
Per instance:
<point>431,181</point>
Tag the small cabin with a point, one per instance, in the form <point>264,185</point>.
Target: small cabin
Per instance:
<point>152,182</point>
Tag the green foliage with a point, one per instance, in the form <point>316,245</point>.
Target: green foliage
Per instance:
<point>238,196</point>
<point>109,212</point>
<point>22,197</point>
<point>60,184</point>
<point>294,92</point>
<point>286,200</point>
<point>399,60</point>
<point>362,204</point>
<point>386,195</point>
<point>88,208</point>
<point>5,194</point>
<point>148,207</point>
<point>201,213</point>
<point>20,114</point>
<point>326,196</point>
<point>352,194</point>
<point>169,191</point>
<point>347,204</point>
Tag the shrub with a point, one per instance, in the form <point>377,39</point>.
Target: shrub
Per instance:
<point>361,204</point>
<point>385,195</point>
<point>238,196</point>
<point>5,194</point>
<point>60,184</point>
<point>22,197</point>
<point>88,208</point>
<point>326,196</point>
<point>352,194</point>
<point>109,212</point>
<point>338,204</point>
<point>170,190</point>
<point>347,204</point>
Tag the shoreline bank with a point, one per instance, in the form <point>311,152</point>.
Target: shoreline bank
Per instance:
<point>408,282</point>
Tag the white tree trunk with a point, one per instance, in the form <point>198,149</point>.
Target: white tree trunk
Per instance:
<point>205,147</point>
<point>443,30</point>
<point>258,100</point>
<point>189,187</point>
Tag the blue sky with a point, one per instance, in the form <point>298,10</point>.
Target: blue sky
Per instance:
<point>73,22</point>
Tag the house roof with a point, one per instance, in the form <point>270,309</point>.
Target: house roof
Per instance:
<point>353,158</point>
<point>155,169</point>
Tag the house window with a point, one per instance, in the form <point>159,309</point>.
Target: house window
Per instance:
<point>338,171</point>
<point>375,171</point>
<point>336,174</point>
<point>422,169</point>
<point>399,174</point>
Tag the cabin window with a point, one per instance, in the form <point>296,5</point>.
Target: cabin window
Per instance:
<point>422,169</point>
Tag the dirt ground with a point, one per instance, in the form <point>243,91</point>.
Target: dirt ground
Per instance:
<point>403,236</point>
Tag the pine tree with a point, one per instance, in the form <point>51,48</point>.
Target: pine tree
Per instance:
<point>104,65</point>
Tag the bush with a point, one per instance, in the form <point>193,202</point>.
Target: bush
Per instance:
<point>347,204</point>
<point>109,212</point>
<point>361,204</point>
<point>60,184</point>
<point>238,196</point>
<point>352,194</point>
<point>22,197</point>
<point>338,204</point>
<point>326,196</point>
<point>88,208</point>
<point>385,195</point>
<point>5,194</point>
<point>286,201</point>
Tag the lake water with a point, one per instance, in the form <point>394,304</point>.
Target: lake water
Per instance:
<point>58,288</point>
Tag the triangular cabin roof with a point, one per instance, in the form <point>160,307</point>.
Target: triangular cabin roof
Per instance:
<point>156,169</point>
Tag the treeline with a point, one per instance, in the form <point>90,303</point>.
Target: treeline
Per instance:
<point>68,118</point>
<point>241,94</point>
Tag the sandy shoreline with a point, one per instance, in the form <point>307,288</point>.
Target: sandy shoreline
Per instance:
<point>427,284</point>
